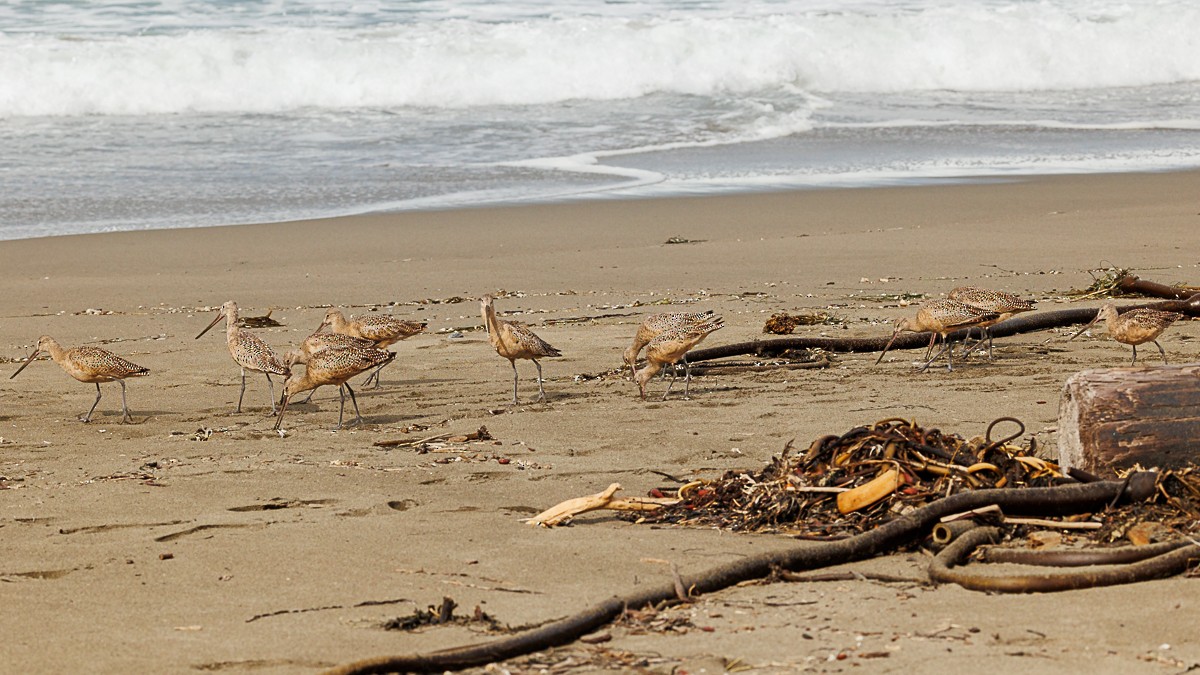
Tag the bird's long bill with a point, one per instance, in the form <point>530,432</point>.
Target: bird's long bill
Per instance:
<point>27,362</point>
<point>1089,325</point>
<point>889,346</point>
<point>214,322</point>
<point>282,409</point>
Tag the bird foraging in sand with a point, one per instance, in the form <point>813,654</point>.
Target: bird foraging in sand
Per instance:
<point>668,348</point>
<point>513,340</point>
<point>1002,302</point>
<point>248,351</point>
<point>381,329</point>
<point>1133,327</point>
<point>656,324</point>
<point>331,366</point>
<point>91,365</point>
<point>940,317</point>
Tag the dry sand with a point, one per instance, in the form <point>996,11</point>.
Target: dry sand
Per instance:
<point>139,548</point>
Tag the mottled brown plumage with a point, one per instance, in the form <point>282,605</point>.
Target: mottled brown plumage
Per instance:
<point>1003,303</point>
<point>1133,327</point>
<point>331,366</point>
<point>248,351</point>
<point>668,348</point>
<point>382,329</point>
<point>656,324</point>
<point>514,340</point>
<point>91,365</point>
<point>940,317</point>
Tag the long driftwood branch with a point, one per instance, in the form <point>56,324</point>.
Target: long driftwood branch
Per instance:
<point>1022,323</point>
<point>1059,500</point>
<point>943,569</point>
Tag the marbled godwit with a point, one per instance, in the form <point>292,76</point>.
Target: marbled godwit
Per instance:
<point>513,340</point>
<point>1005,303</point>
<point>331,366</point>
<point>656,324</point>
<point>248,351</point>
<point>668,348</point>
<point>320,342</point>
<point>1133,327</point>
<point>91,365</point>
<point>940,317</point>
<point>382,329</point>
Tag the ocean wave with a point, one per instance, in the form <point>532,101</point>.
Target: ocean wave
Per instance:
<point>464,63</point>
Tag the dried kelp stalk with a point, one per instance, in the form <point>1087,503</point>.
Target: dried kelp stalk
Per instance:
<point>800,493</point>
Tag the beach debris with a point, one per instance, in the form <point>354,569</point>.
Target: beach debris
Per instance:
<point>264,321</point>
<point>423,445</point>
<point>782,323</point>
<point>440,615</point>
<point>681,240</point>
<point>563,512</point>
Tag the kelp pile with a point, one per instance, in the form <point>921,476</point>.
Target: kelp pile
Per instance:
<point>848,484</point>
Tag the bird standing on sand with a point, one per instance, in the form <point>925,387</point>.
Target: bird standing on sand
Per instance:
<point>248,351</point>
<point>668,348</point>
<point>940,317</point>
<point>1133,327</point>
<point>513,340</point>
<point>656,324</point>
<point>331,366</point>
<point>91,365</point>
<point>1005,303</point>
<point>382,329</point>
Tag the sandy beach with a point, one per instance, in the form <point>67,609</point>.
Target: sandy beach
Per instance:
<point>199,540</point>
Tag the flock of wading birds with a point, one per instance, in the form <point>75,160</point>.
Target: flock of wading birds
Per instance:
<point>355,346</point>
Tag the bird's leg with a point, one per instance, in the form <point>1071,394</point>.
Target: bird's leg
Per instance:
<point>375,375</point>
<point>932,341</point>
<point>342,406</point>
<point>88,417</point>
<point>358,418</point>
<point>243,391</point>
<point>125,416</point>
<point>514,366</point>
<point>988,330</point>
<point>541,390</point>
<point>687,379</point>
<point>1163,352</point>
<point>670,384</point>
<point>1133,362</point>
<point>271,386</point>
<point>935,358</point>
<point>310,394</point>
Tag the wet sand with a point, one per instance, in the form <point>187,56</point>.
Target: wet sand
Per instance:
<point>197,539</point>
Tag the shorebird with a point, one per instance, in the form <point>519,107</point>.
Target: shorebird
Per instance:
<point>320,342</point>
<point>656,324</point>
<point>513,340</point>
<point>1133,327</point>
<point>382,329</point>
<point>668,348</point>
<point>331,366</point>
<point>940,317</point>
<point>91,365</point>
<point>1005,303</point>
<point>248,351</point>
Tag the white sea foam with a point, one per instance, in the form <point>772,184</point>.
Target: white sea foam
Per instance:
<point>963,46</point>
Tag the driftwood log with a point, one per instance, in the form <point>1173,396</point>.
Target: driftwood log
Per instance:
<point>1023,323</point>
<point>1060,500</point>
<point>1113,418</point>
